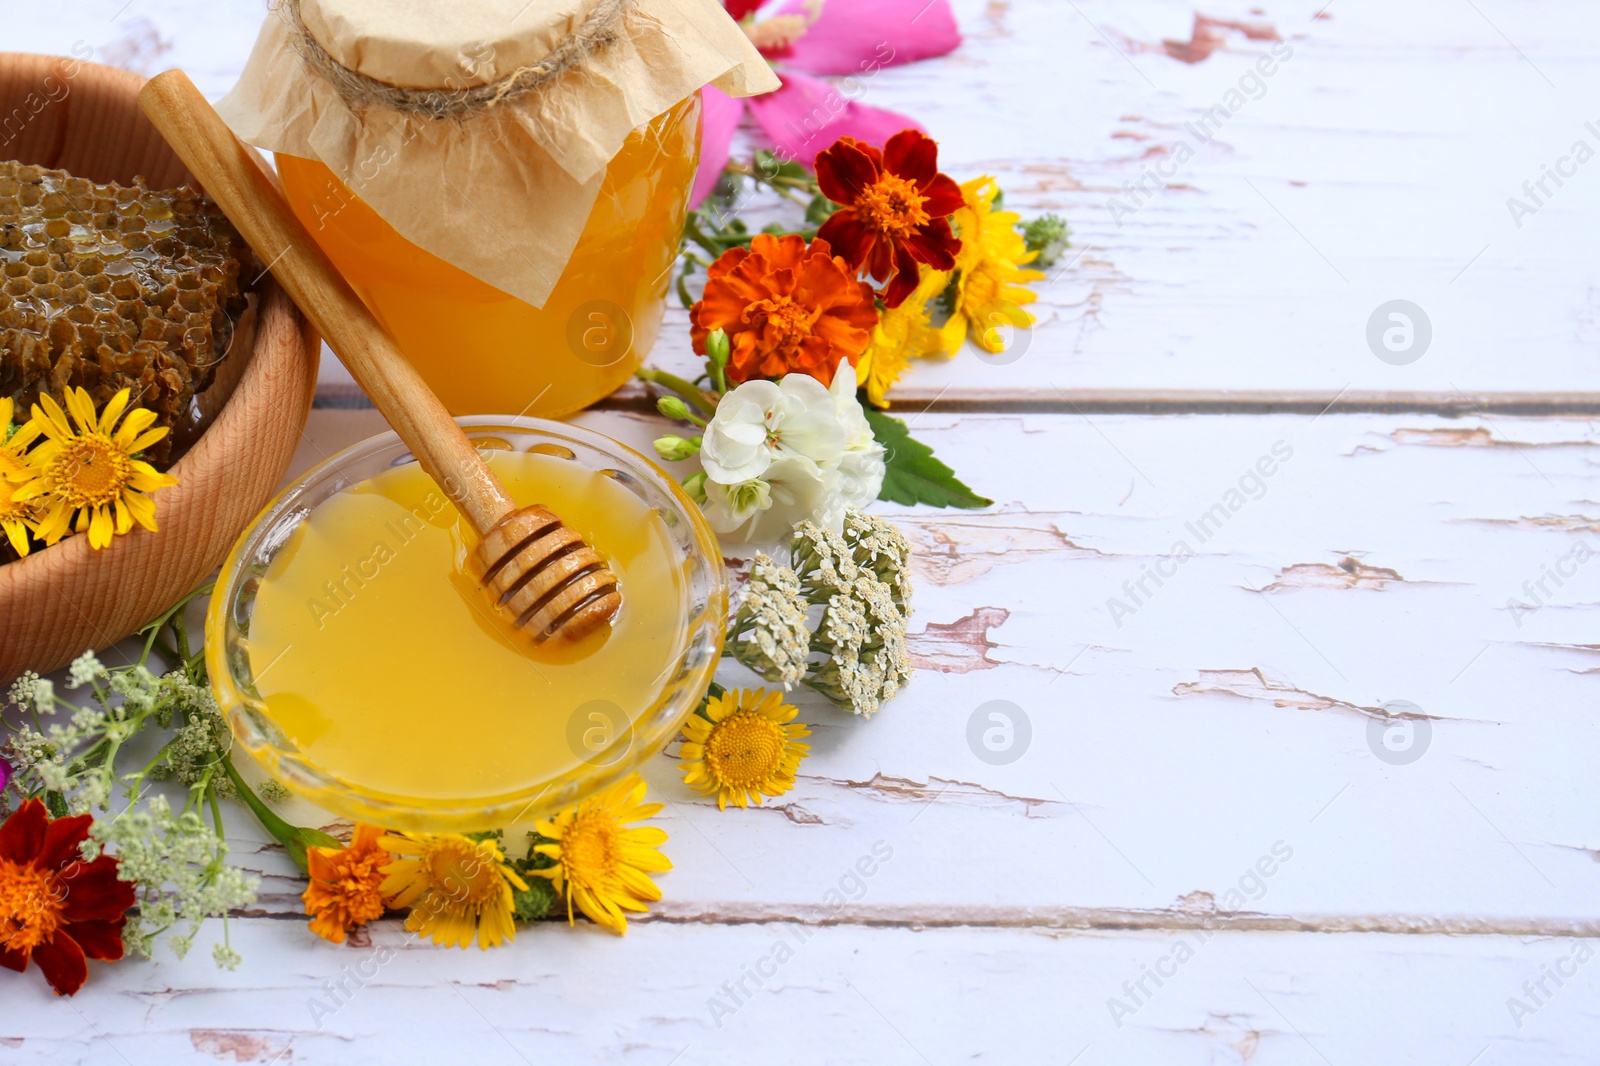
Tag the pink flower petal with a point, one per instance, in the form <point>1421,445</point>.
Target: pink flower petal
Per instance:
<point>719,117</point>
<point>806,115</point>
<point>860,36</point>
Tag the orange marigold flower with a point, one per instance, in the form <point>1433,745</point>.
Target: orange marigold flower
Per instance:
<point>343,892</point>
<point>897,209</point>
<point>785,306</point>
<point>57,909</point>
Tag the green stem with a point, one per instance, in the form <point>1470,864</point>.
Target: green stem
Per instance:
<point>692,232</point>
<point>291,838</point>
<point>216,823</point>
<point>783,191</point>
<point>673,383</point>
<point>776,181</point>
<point>151,765</point>
<point>182,632</point>
<point>155,628</point>
<point>169,654</point>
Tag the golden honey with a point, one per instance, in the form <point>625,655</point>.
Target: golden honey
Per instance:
<point>380,659</point>
<point>485,352</point>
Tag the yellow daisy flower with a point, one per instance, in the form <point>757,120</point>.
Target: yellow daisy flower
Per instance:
<point>601,863</point>
<point>86,478</point>
<point>990,290</point>
<point>902,334</point>
<point>747,749</point>
<point>458,889</point>
<point>18,518</point>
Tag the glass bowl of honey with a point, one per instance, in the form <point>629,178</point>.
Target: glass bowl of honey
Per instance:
<point>357,661</point>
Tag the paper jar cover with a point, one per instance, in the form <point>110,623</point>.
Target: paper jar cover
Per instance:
<point>501,190</point>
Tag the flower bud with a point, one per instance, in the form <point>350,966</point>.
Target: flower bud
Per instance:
<point>1047,235</point>
<point>717,349</point>
<point>673,448</point>
<point>695,486</point>
<point>673,407</point>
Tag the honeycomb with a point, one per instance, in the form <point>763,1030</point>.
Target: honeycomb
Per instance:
<point>107,287</point>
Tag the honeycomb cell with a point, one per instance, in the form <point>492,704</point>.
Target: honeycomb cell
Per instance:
<point>107,287</point>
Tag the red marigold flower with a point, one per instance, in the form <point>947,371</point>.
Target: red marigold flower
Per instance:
<point>785,306</point>
<point>897,209</point>
<point>56,908</point>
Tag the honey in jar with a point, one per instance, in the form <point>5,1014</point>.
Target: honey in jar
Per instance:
<point>378,659</point>
<point>503,182</point>
<point>592,331</point>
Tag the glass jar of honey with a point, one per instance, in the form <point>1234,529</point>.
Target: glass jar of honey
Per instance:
<point>593,330</point>
<point>504,183</point>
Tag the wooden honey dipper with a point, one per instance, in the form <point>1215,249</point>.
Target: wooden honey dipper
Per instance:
<point>539,571</point>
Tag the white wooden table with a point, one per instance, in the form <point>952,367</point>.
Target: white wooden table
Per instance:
<point>1230,721</point>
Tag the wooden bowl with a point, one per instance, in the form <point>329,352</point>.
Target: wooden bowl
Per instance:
<point>61,601</point>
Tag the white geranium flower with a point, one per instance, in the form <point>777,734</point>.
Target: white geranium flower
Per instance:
<point>759,423</point>
<point>730,506</point>
<point>779,454</point>
<point>861,466</point>
<point>734,446</point>
<point>765,509</point>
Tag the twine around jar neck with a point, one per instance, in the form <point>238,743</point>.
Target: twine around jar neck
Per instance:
<point>596,31</point>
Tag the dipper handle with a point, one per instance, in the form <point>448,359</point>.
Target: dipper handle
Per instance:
<point>252,201</point>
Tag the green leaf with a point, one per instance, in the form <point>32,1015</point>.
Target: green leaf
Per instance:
<point>913,474</point>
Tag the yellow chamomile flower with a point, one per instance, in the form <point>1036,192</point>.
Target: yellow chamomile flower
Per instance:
<point>602,865</point>
<point>902,334</point>
<point>18,518</point>
<point>458,889</point>
<point>990,290</point>
<point>86,474</point>
<point>748,748</point>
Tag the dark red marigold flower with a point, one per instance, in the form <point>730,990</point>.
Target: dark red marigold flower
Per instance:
<point>56,909</point>
<point>896,211</point>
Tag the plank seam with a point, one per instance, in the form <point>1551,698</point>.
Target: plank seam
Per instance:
<point>338,396</point>
<point>1109,920</point>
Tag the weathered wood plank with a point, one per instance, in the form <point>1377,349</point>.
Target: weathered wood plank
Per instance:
<point>1179,728</point>
<point>1376,162</point>
<point>671,994</point>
